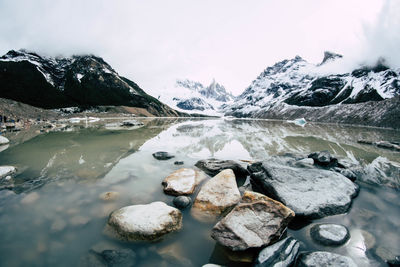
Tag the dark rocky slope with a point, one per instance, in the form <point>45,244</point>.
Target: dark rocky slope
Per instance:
<point>79,81</point>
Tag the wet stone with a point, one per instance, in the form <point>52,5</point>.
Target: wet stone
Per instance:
<point>162,155</point>
<point>323,158</point>
<point>214,166</point>
<point>182,202</point>
<point>282,253</point>
<point>330,234</point>
<point>323,258</point>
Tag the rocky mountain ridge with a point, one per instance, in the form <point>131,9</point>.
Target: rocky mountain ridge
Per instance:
<point>78,81</point>
<point>297,83</point>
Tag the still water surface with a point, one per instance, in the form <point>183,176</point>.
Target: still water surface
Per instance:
<point>53,216</point>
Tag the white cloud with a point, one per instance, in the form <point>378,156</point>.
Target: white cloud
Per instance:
<point>153,42</point>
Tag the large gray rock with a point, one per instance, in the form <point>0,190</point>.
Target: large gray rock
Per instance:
<point>381,171</point>
<point>144,222</point>
<point>330,234</point>
<point>309,192</point>
<point>218,194</point>
<point>214,166</point>
<point>255,222</point>
<point>323,258</point>
<point>280,254</point>
<point>182,182</point>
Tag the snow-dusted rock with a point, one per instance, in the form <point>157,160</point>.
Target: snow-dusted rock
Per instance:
<point>323,258</point>
<point>309,192</point>
<point>6,170</point>
<point>214,166</point>
<point>3,140</point>
<point>330,234</point>
<point>255,222</point>
<point>280,254</point>
<point>144,222</point>
<point>218,194</point>
<point>182,182</point>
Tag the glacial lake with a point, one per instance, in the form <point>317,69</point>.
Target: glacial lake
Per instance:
<point>53,215</point>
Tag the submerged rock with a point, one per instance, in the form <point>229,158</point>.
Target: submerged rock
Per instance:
<point>323,258</point>
<point>175,255</point>
<point>121,258</point>
<point>309,192</point>
<point>109,196</point>
<point>3,140</point>
<point>30,198</point>
<point>182,182</point>
<point>182,202</point>
<point>162,155</point>
<point>330,234</point>
<point>110,258</point>
<point>144,222</point>
<point>6,170</point>
<point>218,194</point>
<point>282,254</point>
<point>214,166</point>
<point>255,222</point>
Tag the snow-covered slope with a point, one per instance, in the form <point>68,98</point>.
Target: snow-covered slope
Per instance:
<point>194,97</point>
<point>299,83</point>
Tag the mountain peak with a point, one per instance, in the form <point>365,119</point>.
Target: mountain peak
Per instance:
<point>330,56</point>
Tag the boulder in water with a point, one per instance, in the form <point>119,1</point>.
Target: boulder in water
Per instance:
<point>144,222</point>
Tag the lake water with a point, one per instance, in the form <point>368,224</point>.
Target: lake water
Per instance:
<point>53,216</point>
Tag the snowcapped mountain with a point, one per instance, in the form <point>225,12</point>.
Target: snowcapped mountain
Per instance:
<point>295,82</point>
<point>194,97</point>
<point>83,81</point>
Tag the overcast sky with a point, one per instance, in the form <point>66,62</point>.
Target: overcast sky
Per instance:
<point>154,42</point>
